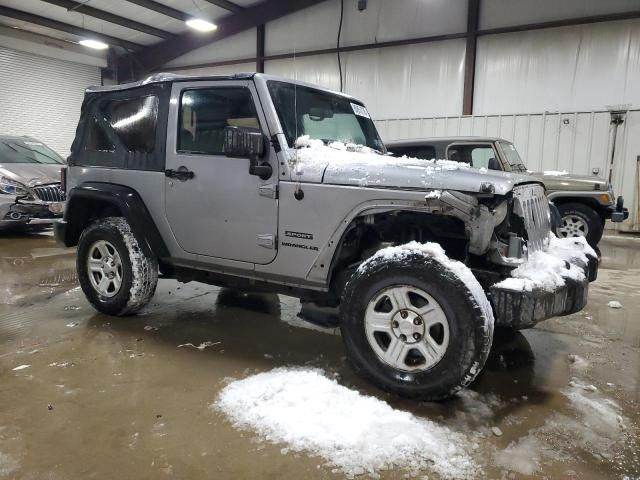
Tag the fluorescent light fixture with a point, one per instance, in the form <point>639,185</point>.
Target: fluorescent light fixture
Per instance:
<point>98,45</point>
<point>201,25</point>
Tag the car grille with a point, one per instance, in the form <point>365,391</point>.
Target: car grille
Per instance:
<point>50,193</point>
<point>532,205</point>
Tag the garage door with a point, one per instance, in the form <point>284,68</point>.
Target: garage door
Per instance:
<point>42,96</point>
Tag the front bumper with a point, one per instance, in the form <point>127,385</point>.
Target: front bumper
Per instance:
<point>520,310</point>
<point>617,213</point>
<point>14,212</point>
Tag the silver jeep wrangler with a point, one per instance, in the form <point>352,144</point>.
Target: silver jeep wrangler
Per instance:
<point>261,183</point>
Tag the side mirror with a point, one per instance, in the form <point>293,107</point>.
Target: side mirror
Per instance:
<point>246,142</point>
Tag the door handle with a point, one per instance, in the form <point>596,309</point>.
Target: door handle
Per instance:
<point>182,173</point>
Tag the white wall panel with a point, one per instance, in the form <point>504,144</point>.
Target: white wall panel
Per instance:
<point>383,20</point>
<point>395,82</point>
<point>577,68</point>
<point>502,13</point>
<point>221,70</point>
<point>239,46</point>
<point>42,97</point>
<point>318,69</point>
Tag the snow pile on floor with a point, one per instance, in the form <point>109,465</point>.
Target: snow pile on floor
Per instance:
<point>593,425</point>
<point>547,269</point>
<point>603,415</point>
<point>523,456</point>
<point>614,304</point>
<point>356,433</point>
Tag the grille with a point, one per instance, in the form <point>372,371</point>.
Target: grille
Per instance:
<point>532,205</point>
<point>50,193</point>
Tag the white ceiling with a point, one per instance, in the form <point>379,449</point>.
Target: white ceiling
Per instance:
<point>123,8</point>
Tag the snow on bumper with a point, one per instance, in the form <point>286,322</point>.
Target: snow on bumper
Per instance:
<point>553,282</point>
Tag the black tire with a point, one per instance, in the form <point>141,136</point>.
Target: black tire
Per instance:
<point>469,318</point>
<point>139,271</point>
<point>593,221</point>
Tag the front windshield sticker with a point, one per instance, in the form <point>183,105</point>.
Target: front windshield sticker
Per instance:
<point>360,110</point>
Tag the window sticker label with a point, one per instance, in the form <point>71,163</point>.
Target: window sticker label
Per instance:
<point>360,110</point>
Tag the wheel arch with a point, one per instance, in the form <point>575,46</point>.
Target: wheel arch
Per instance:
<point>329,257</point>
<point>91,200</point>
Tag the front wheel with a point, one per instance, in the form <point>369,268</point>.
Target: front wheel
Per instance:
<point>115,274</point>
<point>579,220</point>
<point>417,324</point>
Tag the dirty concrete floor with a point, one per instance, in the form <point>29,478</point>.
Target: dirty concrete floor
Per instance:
<point>117,397</point>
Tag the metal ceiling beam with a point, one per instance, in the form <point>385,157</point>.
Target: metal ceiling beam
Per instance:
<point>65,27</point>
<point>161,8</point>
<point>473,13</point>
<point>232,7</point>
<point>155,56</point>
<point>260,48</point>
<point>110,17</point>
<point>568,22</point>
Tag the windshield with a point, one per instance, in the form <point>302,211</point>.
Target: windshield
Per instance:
<point>512,156</point>
<point>322,115</point>
<point>27,151</point>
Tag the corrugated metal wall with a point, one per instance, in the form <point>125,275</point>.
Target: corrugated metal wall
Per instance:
<point>578,68</point>
<point>578,142</point>
<point>42,96</point>
<point>581,68</point>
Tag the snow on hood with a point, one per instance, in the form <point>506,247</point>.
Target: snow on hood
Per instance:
<point>349,164</point>
<point>555,173</point>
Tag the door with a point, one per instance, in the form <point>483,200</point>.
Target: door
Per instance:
<point>213,205</point>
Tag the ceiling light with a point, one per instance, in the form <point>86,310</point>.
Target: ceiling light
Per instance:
<point>93,44</point>
<point>201,25</point>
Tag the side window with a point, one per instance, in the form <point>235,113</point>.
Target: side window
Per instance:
<point>423,152</point>
<point>133,121</point>
<point>204,114</point>
<point>97,140</point>
<point>478,156</point>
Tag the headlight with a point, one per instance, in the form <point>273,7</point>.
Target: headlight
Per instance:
<point>11,187</point>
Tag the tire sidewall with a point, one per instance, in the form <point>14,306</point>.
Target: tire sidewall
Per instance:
<point>467,332</point>
<point>589,216</point>
<point>104,231</point>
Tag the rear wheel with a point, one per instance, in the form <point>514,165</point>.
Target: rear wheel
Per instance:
<point>115,274</point>
<point>579,220</point>
<point>413,326</point>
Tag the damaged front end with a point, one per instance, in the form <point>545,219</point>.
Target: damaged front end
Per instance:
<point>528,274</point>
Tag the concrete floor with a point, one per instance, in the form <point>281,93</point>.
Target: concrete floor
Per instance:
<point>118,398</point>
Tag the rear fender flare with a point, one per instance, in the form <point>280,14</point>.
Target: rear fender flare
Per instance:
<point>126,200</point>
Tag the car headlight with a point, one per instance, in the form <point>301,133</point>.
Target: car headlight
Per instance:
<point>11,187</point>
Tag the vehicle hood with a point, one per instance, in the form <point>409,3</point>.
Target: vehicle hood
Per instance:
<point>31,174</point>
<point>566,181</point>
<point>340,164</point>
